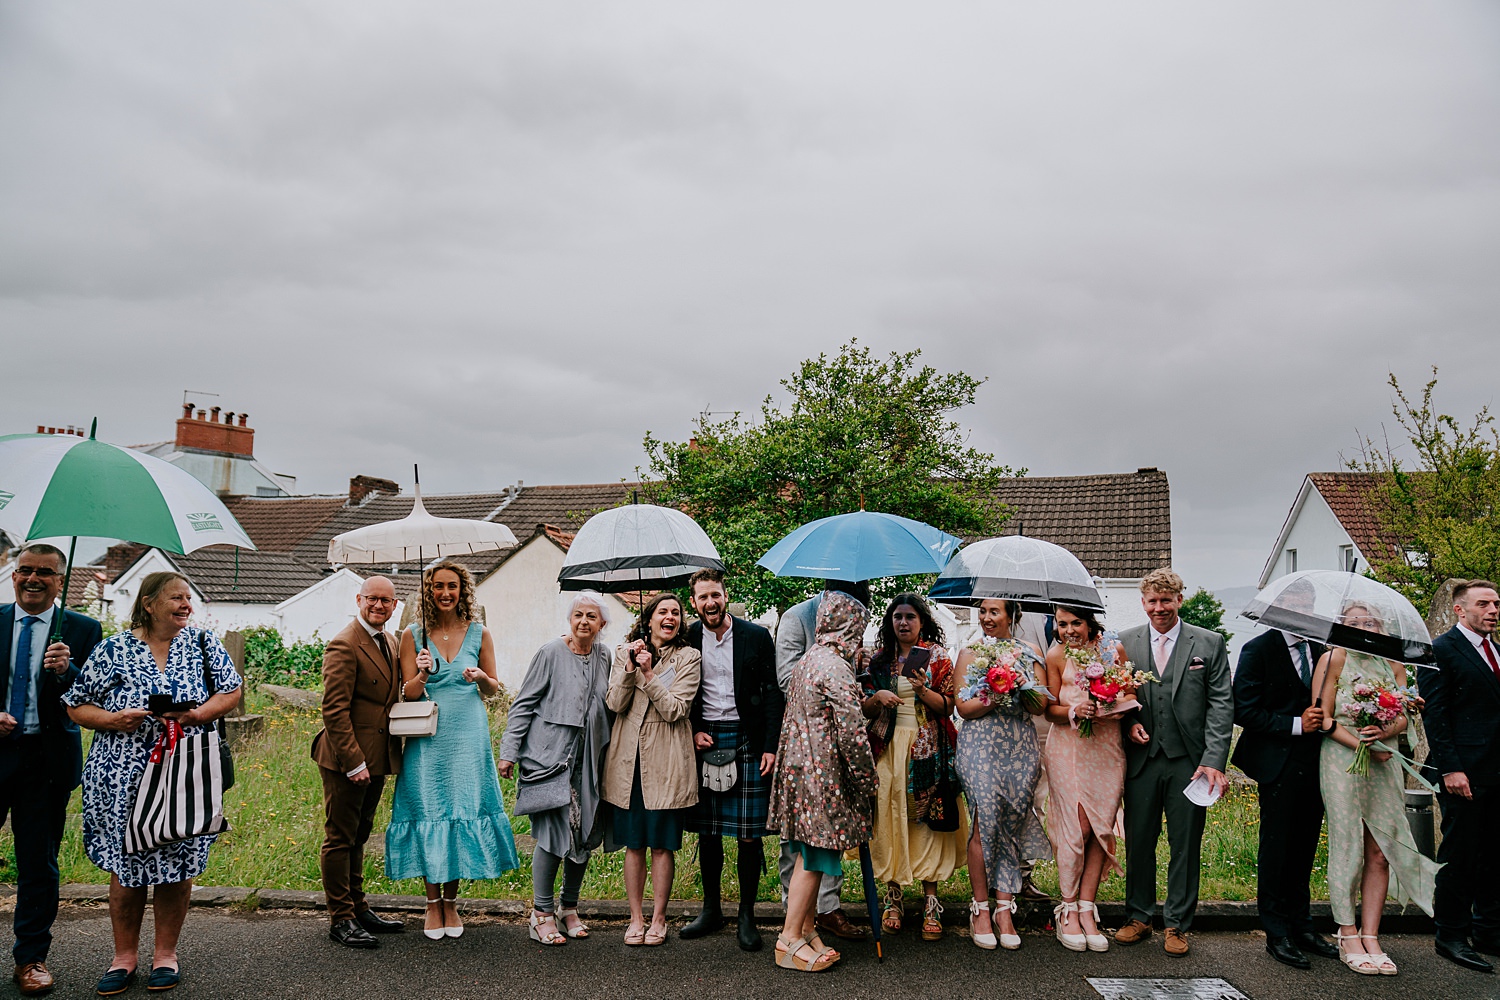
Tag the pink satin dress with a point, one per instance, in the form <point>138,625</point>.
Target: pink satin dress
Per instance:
<point>1086,775</point>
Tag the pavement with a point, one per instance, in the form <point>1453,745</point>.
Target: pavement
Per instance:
<point>284,951</point>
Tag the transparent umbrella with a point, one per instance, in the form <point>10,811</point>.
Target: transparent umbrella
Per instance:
<point>1320,604</point>
<point>636,546</point>
<point>1035,573</point>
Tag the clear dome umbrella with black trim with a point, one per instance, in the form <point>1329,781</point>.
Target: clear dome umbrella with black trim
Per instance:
<point>1034,573</point>
<point>1315,605</point>
<point>635,547</point>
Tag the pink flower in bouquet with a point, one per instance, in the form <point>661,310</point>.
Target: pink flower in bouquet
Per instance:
<point>1094,671</point>
<point>1104,691</point>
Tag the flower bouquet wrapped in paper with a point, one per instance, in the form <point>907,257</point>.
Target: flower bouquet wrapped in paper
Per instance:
<point>1003,672</point>
<point>1109,680</point>
<point>1374,704</point>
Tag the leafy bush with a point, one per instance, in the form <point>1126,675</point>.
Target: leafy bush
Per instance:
<point>1204,610</point>
<point>268,660</point>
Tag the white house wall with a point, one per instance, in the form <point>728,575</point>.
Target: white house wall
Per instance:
<point>323,609</point>
<point>524,609</point>
<point>1316,535</point>
<point>1122,604</point>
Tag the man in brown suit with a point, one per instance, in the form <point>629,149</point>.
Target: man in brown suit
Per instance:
<point>355,752</point>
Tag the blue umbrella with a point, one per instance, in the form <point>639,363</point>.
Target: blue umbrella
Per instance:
<point>864,545</point>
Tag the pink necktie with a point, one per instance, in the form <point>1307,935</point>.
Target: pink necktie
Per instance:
<point>1161,654</point>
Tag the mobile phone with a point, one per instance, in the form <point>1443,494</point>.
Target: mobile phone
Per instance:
<point>161,704</point>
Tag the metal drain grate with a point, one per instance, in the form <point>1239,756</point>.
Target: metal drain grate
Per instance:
<point>1166,989</point>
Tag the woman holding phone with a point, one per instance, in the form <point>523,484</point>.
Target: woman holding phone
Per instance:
<point>650,771</point>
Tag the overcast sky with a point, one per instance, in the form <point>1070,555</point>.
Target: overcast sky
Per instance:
<point>507,239</point>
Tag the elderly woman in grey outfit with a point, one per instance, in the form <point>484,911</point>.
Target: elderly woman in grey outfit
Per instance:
<point>555,738</point>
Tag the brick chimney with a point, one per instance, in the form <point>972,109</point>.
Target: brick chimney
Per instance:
<point>362,486</point>
<point>220,436</point>
<point>117,558</point>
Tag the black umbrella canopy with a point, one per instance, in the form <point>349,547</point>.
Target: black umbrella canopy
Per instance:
<point>1345,610</point>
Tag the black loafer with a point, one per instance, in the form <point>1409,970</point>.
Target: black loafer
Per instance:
<point>115,981</point>
<point>1315,944</point>
<point>163,979</point>
<point>350,934</point>
<point>1459,953</point>
<point>1282,949</point>
<point>376,924</point>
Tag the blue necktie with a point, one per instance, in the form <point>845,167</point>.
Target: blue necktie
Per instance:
<point>21,681</point>
<point>1302,667</point>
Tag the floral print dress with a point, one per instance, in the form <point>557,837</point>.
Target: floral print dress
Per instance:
<point>121,673</point>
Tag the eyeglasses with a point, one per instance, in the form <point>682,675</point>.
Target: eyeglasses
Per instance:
<point>378,600</point>
<point>41,573</point>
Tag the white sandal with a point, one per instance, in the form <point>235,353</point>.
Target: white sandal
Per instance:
<point>581,931</point>
<point>1072,942</point>
<point>985,941</point>
<point>434,933</point>
<point>1010,942</point>
<point>552,937</point>
<point>454,931</point>
<point>1359,962</point>
<point>1095,942</point>
<point>1383,963</point>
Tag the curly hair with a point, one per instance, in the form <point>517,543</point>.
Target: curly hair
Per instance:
<point>465,607</point>
<point>931,633</point>
<point>642,627</point>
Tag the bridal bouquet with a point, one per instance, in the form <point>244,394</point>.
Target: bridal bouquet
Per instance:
<point>1374,704</point>
<point>1107,683</point>
<point>1003,671</point>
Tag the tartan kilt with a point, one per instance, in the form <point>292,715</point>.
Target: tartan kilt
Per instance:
<point>740,812</point>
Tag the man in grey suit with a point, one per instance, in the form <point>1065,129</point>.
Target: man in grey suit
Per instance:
<point>794,636</point>
<point>1180,732</point>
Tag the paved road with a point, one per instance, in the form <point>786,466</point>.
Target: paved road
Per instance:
<point>288,954</point>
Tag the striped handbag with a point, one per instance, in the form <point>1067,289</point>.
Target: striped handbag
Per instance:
<point>181,794</point>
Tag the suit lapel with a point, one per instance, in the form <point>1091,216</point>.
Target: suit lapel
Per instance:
<point>738,653</point>
<point>1182,651</point>
<point>372,653</point>
<point>7,625</point>
<point>1472,654</point>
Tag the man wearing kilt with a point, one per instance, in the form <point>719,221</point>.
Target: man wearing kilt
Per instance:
<point>738,707</point>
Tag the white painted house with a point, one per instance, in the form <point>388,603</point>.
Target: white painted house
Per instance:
<point>1332,524</point>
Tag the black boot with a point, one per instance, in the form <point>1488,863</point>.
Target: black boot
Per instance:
<point>752,863</point>
<point>711,870</point>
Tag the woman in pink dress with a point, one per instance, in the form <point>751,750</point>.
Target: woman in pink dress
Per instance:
<point>1086,775</point>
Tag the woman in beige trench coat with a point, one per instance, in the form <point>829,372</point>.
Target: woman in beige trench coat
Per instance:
<point>650,773</point>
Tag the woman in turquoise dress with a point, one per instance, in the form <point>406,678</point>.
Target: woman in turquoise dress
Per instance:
<point>1370,847</point>
<point>447,818</point>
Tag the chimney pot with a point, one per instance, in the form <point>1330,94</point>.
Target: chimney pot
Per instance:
<point>51,430</point>
<point>202,414</point>
<point>187,411</point>
<point>41,428</point>
<point>229,419</point>
<point>215,413</point>
<point>243,418</point>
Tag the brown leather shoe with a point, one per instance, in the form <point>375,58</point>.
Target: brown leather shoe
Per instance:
<point>1133,932</point>
<point>837,924</point>
<point>1176,943</point>
<point>1031,892</point>
<point>33,979</point>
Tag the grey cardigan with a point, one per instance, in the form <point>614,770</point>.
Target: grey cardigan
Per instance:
<point>551,708</point>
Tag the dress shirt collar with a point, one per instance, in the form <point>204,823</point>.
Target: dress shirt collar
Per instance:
<point>1475,637</point>
<point>368,627</point>
<point>1172,634</point>
<point>1292,640</point>
<point>45,618</point>
<point>709,636</point>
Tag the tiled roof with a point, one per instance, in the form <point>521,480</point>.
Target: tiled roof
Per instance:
<point>565,507</point>
<point>1351,496</point>
<point>78,585</point>
<point>257,578</point>
<point>1118,524</point>
<point>382,507</point>
<point>280,524</point>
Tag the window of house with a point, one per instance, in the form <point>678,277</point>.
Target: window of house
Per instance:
<point>1291,560</point>
<point>1347,559</point>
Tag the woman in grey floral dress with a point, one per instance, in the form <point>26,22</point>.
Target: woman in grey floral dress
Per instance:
<point>159,654</point>
<point>998,762</point>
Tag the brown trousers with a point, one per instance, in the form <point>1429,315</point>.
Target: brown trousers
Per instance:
<point>348,818</point>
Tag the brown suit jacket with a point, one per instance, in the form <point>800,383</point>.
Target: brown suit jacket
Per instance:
<point>359,688</point>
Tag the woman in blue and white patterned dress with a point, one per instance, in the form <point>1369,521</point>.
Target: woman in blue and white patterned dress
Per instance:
<point>160,654</point>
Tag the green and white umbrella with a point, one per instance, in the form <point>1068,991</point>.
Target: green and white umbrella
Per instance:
<point>60,484</point>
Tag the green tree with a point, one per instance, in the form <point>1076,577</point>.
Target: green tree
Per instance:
<point>1443,508</point>
<point>858,431</point>
<point>1204,610</point>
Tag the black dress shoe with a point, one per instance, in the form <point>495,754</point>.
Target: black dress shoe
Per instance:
<point>1459,953</point>
<point>748,934</point>
<point>351,935</point>
<point>1487,943</point>
<point>709,920</point>
<point>163,979</point>
<point>1282,949</point>
<point>376,924</point>
<point>1315,944</point>
<point>115,981</point>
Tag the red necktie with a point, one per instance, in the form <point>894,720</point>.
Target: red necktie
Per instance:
<point>1489,654</point>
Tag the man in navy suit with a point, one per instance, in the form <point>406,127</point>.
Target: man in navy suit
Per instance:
<point>41,755</point>
<point>1280,747</point>
<point>1462,718</point>
<point>738,706</point>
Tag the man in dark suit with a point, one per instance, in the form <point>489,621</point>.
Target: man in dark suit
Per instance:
<point>41,755</point>
<point>1280,747</point>
<point>1180,733</point>
<point>1462,719</point>
<point>355,752</point>
<point>739,707</point>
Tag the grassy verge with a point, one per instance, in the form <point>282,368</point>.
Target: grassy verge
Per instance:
<point>276,813</point>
